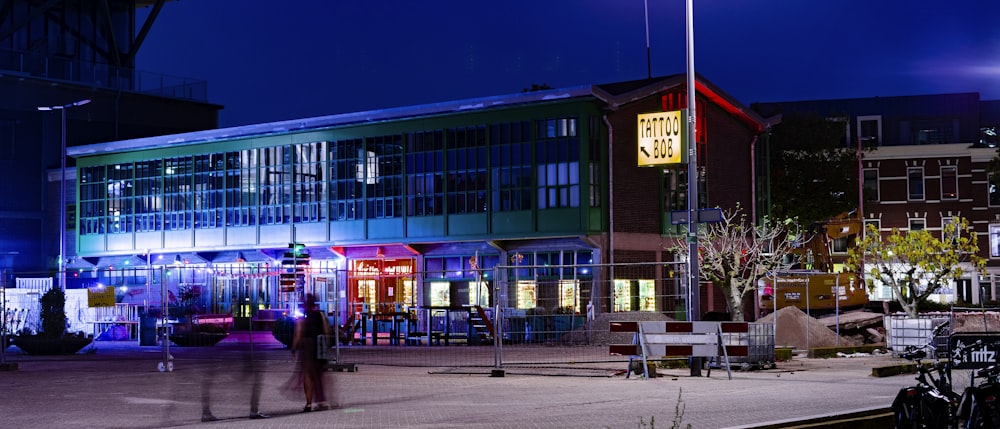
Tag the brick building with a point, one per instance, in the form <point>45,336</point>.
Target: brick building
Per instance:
<point>928,164</point>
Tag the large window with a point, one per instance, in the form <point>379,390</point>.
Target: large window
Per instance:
<point>466,170</point>
<point>440,294</point>
<point>177,195</point>
<point>915,183</point>
<point>409,299</point>
<point>120,191</point>
<point>569,295</point>
<point>557,155</point>
<point>310,187</point>
<point>527,294</point>
<point>647,295</point>
<point>596,162</point>
<point>479,293</point>
<point>276,184</point>
<point>348,159</point>
<point>995,240</point>
<point>949,182</point>
<point>93,199</point>
<point>384,177</point>
<point>510,156</point>
<point>241,188</point>
<point>870,130</point>
<point>871,184</point>
<point>622,296</point>
<point>209,190</point>
<point>425,174</point>
<point>148,196</point>
<point>368,296</point>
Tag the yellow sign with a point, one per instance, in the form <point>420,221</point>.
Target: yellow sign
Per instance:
<point>662,138</point>
<point>101,296</point>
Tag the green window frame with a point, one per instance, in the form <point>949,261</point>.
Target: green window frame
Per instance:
<point>241,188</point>
<point>595,178</point>
<point>93,199</point>
<point>209,190</point>
<point>120,198</point>
<point>510,162</point>
<point>148,196</point>
<point>557,154</point>
<point>425,173</point>
<point>466,161</point>
<point>383,172</point>
<point>275,175</point>
<point>177,195</point>
<point>310,187</point>
<point>347,178</point>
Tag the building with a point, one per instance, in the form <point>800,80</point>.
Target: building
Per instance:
<point>928,163</point>
<point>415,206</point>
<point>55,54</point>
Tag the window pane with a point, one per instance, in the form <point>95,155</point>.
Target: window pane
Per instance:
<point>871,184</point>
<point>915,183</point>
<point>995,241</point>
<point>869,130</point>
<point>949,232</point>
<point>949,183</point>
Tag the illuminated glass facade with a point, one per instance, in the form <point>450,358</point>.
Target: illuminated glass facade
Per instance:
<point>492,167</point>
